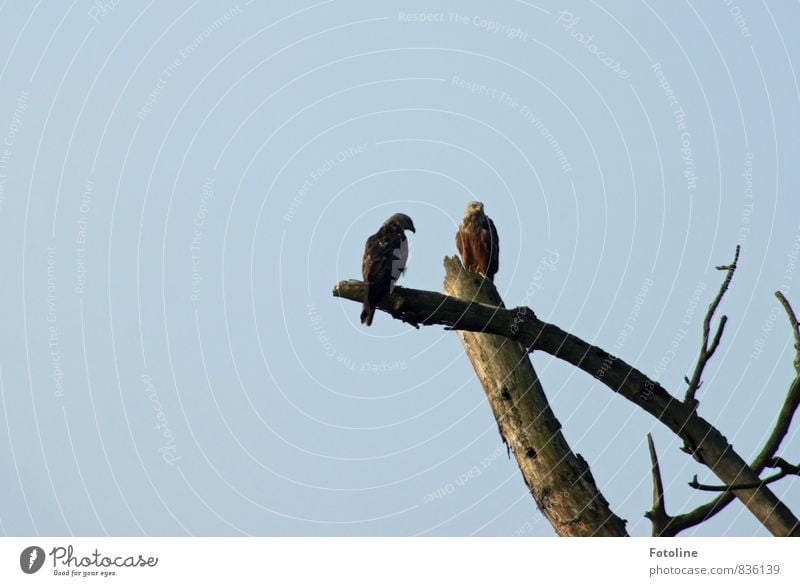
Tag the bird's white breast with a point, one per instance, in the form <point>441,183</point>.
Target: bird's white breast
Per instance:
<point>400,257</point>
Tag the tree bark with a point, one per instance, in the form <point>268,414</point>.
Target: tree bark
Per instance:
<point>702,439</point>
<point>559,480</point>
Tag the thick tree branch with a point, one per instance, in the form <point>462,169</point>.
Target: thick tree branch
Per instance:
<point>786,469</point>
<point>707,350</point>
<point>558,479</point>
<point>709,446</point>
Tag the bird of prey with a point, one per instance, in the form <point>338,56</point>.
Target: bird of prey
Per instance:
<point>477,241</point>
<point>385,256</point>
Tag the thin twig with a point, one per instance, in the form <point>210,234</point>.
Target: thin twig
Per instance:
<point>707,349</point>
<point>795,327</point>
<point>792,317</point>
<point>658,514</point>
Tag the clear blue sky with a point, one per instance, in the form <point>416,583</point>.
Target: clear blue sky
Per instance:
<point>181,185</point>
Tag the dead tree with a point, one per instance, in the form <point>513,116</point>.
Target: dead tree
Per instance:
<point>496,340</point>
<point>559,480</point>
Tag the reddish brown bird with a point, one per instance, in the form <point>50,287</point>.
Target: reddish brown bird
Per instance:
<point>385,256</point>
<point>477,241</point>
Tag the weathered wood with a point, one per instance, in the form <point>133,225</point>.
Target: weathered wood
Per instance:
<point>559,480</point>
<point>705,442</point>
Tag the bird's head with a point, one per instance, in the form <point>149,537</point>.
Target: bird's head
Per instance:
<point>402,222</point>
<point>473,207</point>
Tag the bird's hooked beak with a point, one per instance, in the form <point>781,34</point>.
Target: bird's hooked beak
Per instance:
<point>412,229</point>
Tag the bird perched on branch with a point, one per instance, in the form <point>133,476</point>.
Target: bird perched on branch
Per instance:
<point>477,241</point>
<point>385,256</point>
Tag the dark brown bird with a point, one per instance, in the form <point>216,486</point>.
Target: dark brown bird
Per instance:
<point>477,241</point>
<point>385,256</point>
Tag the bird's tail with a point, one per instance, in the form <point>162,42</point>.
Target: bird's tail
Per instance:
<point>367,311</point>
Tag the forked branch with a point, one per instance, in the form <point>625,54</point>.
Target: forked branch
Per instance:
<point>661,521</point>
<point>766,456</point>
<point>707,347</point>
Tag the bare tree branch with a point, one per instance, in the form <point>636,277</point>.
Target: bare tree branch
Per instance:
<point>790,406</point>
<point>795,327</point>
<point>786,469</point>
<point>662,522</point>
<point>709,446</point>
<point>707,350</point>
<point>779,431</point>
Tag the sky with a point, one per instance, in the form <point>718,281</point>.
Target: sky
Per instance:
<point>182,184</point>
